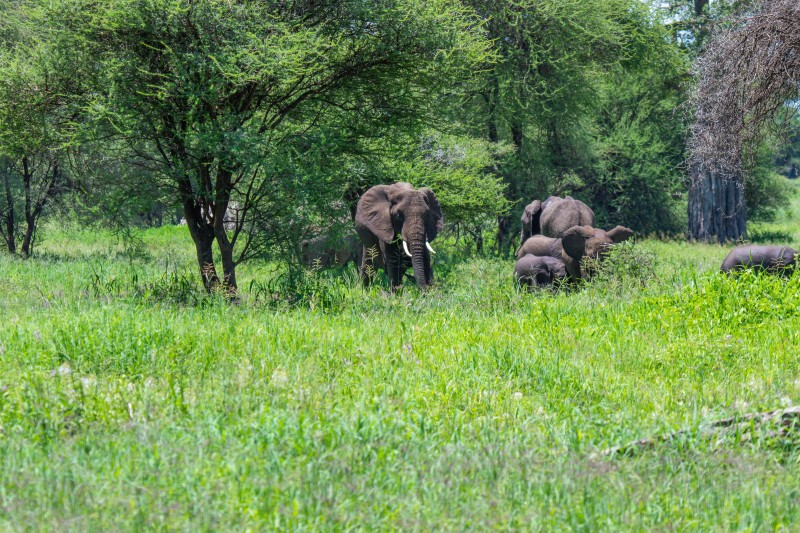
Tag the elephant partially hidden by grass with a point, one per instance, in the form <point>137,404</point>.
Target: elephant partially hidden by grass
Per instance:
<point>327,251</point>
<point>577,242</point>
<point>779,259</point>
<point>532,270</point>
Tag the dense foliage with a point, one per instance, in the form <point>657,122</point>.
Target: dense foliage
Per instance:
<point>284,113</point>
<point>272,397</point>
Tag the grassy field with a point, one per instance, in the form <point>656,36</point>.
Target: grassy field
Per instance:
<point>130,401</point>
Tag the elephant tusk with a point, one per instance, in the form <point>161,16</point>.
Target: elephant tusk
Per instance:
<point>405,247</point>
<point>430,249</point>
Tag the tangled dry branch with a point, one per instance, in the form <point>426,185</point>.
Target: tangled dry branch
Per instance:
<point>775,424</point>
<point>746,75</point>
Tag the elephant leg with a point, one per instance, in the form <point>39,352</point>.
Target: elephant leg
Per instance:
<point>371,261</point>
<point>573,268</point>
<point>367,267</point>
<point>394,266</point>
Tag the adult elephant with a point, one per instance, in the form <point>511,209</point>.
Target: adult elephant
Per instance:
<point>554,216</point>
<point>578,242</point>
<point>396,224</point>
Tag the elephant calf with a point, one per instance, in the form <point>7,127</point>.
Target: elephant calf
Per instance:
<point>537,270</point>
<point>757,257</point>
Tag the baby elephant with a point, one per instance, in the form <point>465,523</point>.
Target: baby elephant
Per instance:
<point>770,258</point>
<point>538,270</point>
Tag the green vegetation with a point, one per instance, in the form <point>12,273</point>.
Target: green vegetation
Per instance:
<point>131,399</point>
<point>137,395</point>
<point>285,113</point>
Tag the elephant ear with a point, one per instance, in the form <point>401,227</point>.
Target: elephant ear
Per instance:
<point>435,222</point>
<point>574,241</point>
<point>531,216</point>
<point>374,212</point>
<point>619,234</point>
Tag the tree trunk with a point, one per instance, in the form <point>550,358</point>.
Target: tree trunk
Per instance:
<point>503,224</point>
<point>716,206</point>
<point>517,135</point>
<point>30,219</point>
<point>503,235</point>
<point>203,236</point>
<point>554,145</point>
<point>27,238</point>
<point>223,187</point>
<point>10,218</point>
<point>205,218</point>
<point>698,6</point>
<point>35,206</point>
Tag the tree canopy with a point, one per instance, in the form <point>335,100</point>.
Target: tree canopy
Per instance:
<point>247,101</point>
<point>283,113</point>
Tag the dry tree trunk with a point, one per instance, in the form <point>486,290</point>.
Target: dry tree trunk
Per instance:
<point>716,206</point>
<point>745,77</point>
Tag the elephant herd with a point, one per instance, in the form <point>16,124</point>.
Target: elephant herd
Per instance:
<point>396,223</point>
<point>557,235</point>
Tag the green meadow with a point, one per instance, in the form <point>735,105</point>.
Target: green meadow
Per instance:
<point>129,400</point>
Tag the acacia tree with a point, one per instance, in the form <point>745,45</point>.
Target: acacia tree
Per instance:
<point>221,98</point>
<point>545,93</point>
<point>745,77</point>
<point>36,112</point>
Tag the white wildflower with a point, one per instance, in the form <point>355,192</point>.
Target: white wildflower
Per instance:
<point>279,378</point>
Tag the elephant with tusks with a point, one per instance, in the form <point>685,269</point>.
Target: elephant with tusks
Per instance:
<point>396,224</point>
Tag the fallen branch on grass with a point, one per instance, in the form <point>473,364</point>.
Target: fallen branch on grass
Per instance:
<point>785,420</point>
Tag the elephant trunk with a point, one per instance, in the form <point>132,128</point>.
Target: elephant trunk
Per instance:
<point>418,262</point>
<point>414,235</point>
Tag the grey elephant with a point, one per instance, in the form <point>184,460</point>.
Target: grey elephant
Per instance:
<point>759,257</point>
<point>396,224</point>
<point>554,216</point>
<point>533,270</point>
<point>327,251</point>
<point>578,242</point>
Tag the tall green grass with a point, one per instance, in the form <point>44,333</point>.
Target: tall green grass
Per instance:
<point>131,400</point>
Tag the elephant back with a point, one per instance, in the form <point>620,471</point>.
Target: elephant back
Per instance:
<point>560,214</point>
<point>541,246</point>
<point>760,257</point>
